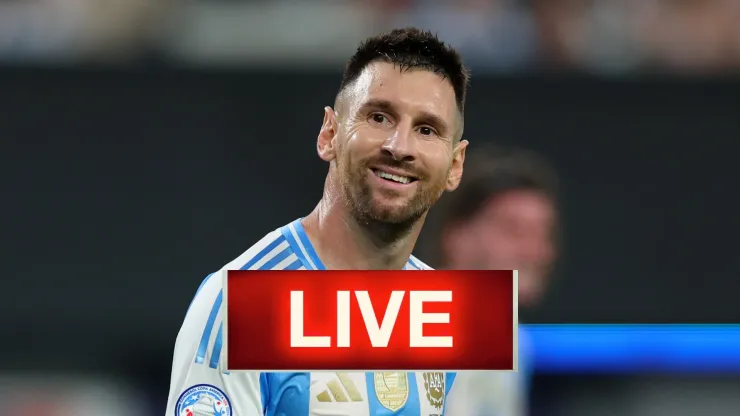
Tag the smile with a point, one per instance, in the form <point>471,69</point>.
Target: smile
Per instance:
<point>392,177</point>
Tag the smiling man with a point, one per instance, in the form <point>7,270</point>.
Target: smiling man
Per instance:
<point>393,146</point>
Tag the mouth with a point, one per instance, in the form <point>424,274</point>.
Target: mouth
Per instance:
<point>395,177</point>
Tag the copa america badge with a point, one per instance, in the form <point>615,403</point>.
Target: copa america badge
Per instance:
<point>203,400</point>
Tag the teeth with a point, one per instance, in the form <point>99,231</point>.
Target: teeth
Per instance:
<point>395,178</point>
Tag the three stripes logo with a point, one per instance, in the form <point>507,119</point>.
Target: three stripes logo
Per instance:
<point>340,389</point>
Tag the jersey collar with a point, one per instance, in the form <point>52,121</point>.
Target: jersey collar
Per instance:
<point>302,247</point>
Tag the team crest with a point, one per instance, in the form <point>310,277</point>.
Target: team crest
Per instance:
<point>203,400</point>
<point>391,389</point>
<point>434,384</point>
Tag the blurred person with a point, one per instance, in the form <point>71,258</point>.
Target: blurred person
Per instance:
<point>393,143</point>
<point>503,216</point>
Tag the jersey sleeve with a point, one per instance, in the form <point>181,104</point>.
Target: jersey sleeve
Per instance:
<point>199,377</point>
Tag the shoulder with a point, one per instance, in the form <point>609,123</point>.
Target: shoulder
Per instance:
<point>255,256</point>
<point>274,251</point>
<point>271,252</point>
<point>259,255</point>
<point>202,328</point>
<point>416,264</point>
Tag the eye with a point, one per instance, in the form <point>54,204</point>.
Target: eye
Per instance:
<point>379,118</point>
<point>427,131</point>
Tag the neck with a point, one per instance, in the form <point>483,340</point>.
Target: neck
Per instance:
<point>343,243</point>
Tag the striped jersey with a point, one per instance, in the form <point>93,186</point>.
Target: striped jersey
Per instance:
<point>201,386</point>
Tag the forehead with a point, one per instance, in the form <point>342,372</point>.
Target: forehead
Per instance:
<point>414,89</point>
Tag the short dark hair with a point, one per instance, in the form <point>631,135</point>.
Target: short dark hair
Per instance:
<point>411,48</point>
<point>490,172</point>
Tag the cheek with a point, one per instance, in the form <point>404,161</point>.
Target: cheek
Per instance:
<point>347,143</point>
<point>362,142</point>
<point>438,161</point>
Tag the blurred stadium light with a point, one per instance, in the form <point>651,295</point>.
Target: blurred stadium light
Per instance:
<point>625,349</point>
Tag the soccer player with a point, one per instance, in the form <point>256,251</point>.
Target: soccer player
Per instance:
<point>503,217</point>
<point>393,145</point>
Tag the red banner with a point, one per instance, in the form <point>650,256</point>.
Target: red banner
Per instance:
<point>370,320</point>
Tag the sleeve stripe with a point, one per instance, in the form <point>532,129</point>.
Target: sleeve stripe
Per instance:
<point>216,355</point>
<point>203,347</point>
<point>270,264</point>
<point>295,265</point>
<point>263,253</point>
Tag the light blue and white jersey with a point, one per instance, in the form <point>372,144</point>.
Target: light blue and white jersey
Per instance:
<point>201,386</point>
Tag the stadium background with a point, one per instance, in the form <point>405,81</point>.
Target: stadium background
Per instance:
<point>143,146</point>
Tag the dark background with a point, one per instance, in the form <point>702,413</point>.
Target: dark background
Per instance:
<point>123,188</point>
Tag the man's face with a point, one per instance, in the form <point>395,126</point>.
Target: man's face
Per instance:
<point>395,140</point>
<point>512,231</point>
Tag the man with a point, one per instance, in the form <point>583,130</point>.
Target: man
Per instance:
<point>502,217</point>
<point>393,145</point>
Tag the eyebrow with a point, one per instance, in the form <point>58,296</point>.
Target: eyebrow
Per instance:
<point>424,117</point>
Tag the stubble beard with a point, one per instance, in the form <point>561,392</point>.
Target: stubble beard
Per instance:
<point>387,223</point>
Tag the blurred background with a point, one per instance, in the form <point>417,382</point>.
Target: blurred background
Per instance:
<point>144,144</point>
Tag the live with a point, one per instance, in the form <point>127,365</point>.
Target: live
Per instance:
<point>379,334</point>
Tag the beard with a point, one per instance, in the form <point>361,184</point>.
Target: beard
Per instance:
<point>390,219</point>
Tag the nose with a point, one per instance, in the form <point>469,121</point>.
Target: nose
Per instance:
<point>400,145</point>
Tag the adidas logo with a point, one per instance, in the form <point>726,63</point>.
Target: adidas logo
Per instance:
<point>340,389</point>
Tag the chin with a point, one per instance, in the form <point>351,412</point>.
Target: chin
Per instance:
<point>391,214</point>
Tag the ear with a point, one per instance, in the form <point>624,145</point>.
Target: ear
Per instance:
<point>456,171</point>
<point>326,145</point>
